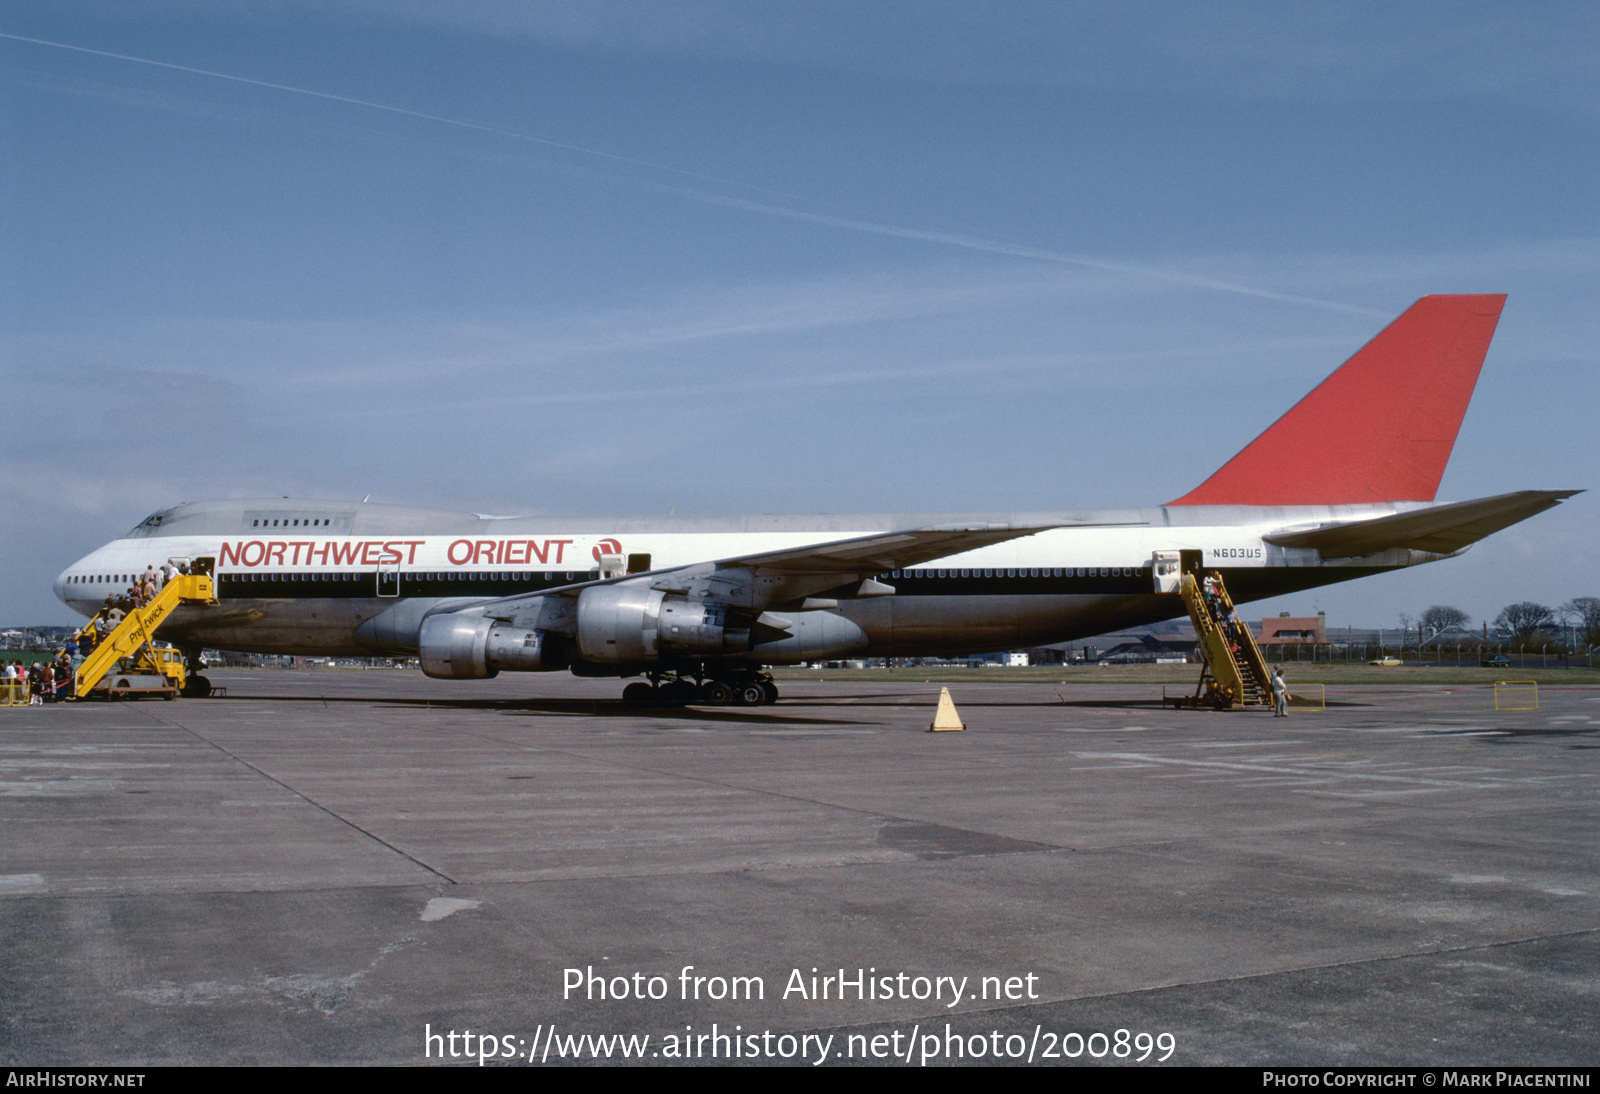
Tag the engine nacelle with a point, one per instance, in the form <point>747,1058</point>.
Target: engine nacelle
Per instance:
<point>474,647</point>
<point>635,624</point>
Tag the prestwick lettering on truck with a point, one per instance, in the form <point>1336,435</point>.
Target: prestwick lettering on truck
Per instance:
<point>393,552</point>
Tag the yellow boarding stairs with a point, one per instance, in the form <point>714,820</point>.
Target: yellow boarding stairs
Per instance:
<point>131,648</point>
<point>1233,679</point>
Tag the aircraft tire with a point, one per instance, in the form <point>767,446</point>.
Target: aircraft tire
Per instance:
<point>638,692</point>
<point>772,691</point>
<point>198,687</point>
<point>678,691</point>
<point>752,694</point>
<point>719,691</point>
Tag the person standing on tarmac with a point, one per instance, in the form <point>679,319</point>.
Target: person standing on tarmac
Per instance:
<point>1280,693</point>
<point>63,667</point>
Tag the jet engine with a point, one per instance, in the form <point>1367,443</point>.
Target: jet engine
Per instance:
<point>474,647</point>
<point>635,624</point>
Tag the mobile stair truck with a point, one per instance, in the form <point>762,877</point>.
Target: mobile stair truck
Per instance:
<point>1235,675</point>
<point>127,663</point>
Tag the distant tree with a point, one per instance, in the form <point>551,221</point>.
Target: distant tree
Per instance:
<point>1440,618</point>
<point>1585,612</point>
<point>1519,623</point>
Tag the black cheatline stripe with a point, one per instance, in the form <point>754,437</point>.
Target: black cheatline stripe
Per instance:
<point>1244,583</point>
<point>363,584</point>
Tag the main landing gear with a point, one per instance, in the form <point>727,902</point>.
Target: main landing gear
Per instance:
<point>748,690</point>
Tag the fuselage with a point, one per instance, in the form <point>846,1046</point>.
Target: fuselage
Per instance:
<point>1309,502</point>
<point>325,578</point>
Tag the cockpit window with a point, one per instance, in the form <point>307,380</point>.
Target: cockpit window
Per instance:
<point>150,524</point>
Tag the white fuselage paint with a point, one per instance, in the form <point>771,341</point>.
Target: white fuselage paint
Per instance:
<point>305,590</point>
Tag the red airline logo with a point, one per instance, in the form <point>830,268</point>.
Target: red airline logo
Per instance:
<point>333,552</point>
<point>394,552</point>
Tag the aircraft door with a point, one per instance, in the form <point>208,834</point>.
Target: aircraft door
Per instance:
<point>388,581</point>
<point>1166,568</point>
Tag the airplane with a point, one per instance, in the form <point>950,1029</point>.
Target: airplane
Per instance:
<point>1341,487</point>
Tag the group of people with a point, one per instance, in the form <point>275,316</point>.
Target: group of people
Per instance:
<point>116,608</point>
<point>52,680</point>
<point>44,681</point>
<point>144,588</point>
<point>1227,621</point>
<point>1230,627</point>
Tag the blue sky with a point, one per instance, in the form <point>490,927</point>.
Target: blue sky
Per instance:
<point>732,257</point>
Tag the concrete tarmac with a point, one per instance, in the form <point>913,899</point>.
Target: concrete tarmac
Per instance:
<point>351,866</point>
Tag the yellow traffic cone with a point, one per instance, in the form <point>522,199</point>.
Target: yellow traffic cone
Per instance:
<point>945,719</point>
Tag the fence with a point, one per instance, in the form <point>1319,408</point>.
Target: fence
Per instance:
<point>1456,656</point>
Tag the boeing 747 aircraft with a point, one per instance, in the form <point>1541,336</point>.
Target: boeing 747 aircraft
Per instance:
<point>1340,487</point>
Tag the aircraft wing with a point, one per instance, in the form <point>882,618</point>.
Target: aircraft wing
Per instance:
<point>881,553</point>
<point>1442,529</point>
<point>842,568</point>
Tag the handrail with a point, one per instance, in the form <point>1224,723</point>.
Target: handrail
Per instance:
<point>138,628</point>
<point>1229,674</point>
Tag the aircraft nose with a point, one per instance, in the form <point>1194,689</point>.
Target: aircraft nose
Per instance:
<point>63,587</point>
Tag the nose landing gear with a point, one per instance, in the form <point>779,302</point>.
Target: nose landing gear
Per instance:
<point>195,686</point>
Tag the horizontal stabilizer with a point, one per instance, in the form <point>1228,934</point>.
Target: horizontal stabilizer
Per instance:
<point>1442,529</point>
<point>1380,428</point>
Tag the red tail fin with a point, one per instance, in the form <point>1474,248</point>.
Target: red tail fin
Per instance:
<point>1381,427</point>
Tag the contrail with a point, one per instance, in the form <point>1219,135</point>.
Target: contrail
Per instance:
<point>978,243</point>
<point>951,239</point>
<point>370,105</point>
